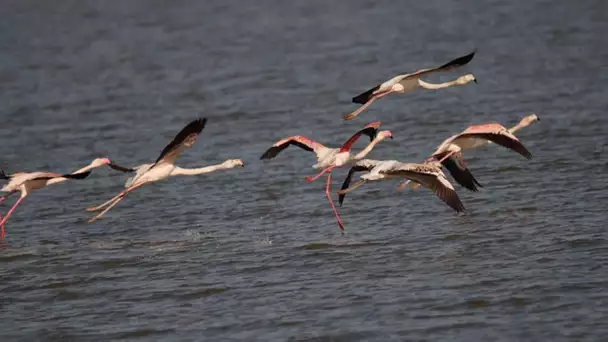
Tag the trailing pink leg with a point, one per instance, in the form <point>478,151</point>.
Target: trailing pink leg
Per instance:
<point>333,207</point>
<point>313,178</point>
<point>6,196</point>
<point>112,202</point>
<point>9,214</point>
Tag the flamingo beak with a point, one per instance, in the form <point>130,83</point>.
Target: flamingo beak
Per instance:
<point>475,80</point>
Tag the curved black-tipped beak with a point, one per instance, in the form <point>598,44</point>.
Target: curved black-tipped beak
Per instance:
<point>475,80</point>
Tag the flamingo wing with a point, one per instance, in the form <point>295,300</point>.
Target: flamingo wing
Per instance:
<point>182,141</point>
<point>430,177</point>
<point>499,137</point>
<point>360,166</point>
<point>365,96</point>
<point>121,168</point>
<point>453,64</point>
<point>458,169</point>
<point>296,140</point>
<point>371,130</point>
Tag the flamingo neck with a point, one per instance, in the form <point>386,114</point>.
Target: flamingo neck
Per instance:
<point>435,86</point>
<point>178,171</point>
<point>518,127</point>
<point>368,148</point>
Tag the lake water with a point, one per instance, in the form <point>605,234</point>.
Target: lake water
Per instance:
<point>254,254</point>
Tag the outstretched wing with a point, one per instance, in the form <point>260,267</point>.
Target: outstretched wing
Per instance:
<point>430,177</point>
<point>453,64</point>
<point>296,140</point>
<point>497,134</point>
<point>360,166</point>
<point>458,169</point>
<point>121,168</point>
<point>182,141</point>
<point>365,96</point>
<point>371,130</point>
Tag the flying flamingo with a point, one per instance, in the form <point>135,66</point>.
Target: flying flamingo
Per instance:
<point>26,182</point>
<point>428,175</point>
<point>408,82</point>
<point>449,152</point>
<point>330,158</point>
<point>164,166</point>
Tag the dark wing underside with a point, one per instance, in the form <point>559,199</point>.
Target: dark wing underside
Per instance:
<point>4,175</point>
<point>453,64</point>
<point>275,150</point>
<point>458,62</point>
<point>502,140</point>
<point>444,193</point>
<point>81,175</point>
<point>347,180</point>
<point>366,96</point>
<point>121,168</point>
<point>184,139</point>
<point>461,174</point>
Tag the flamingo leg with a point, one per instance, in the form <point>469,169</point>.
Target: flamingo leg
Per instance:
<point>8,215</point>
<point>365,105</point>
<point>6,196</point>
<point>331,202</point>
<point>353,187</point>
<point>121,194</point>
<point>112,202</point>
<point>98,216</point>
<point>315,177</point>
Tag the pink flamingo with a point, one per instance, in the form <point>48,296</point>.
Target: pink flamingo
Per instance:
<point>408,82</point>
<point>330,158</point>
<point>164,166</point>
<point>449,152</point>
<point>26,182</point>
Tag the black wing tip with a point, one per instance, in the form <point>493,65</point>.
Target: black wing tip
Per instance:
<point>270,153</point>
<point>460,61</point>
<point>199,124</point>
<point>80,175</point>
<point>3,175</point>
<point>365,96</point>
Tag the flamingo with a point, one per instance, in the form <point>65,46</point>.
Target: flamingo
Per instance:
<point>26,182</point>
<point>164,166</point>
<point>449,152</point>
<point>428,175</point>
<point>330,158</point>
<point>408,82</point>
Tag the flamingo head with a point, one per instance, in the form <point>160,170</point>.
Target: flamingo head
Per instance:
<point>234,163</point>
<point>466,79</point>
<point>100,162</point>
<point>385,134</point>
<point>529,120</point>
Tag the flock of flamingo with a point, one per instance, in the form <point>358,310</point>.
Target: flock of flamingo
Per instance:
<point>428,174</point>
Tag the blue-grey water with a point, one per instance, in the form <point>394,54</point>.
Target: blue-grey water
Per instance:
<point>254,254</point>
